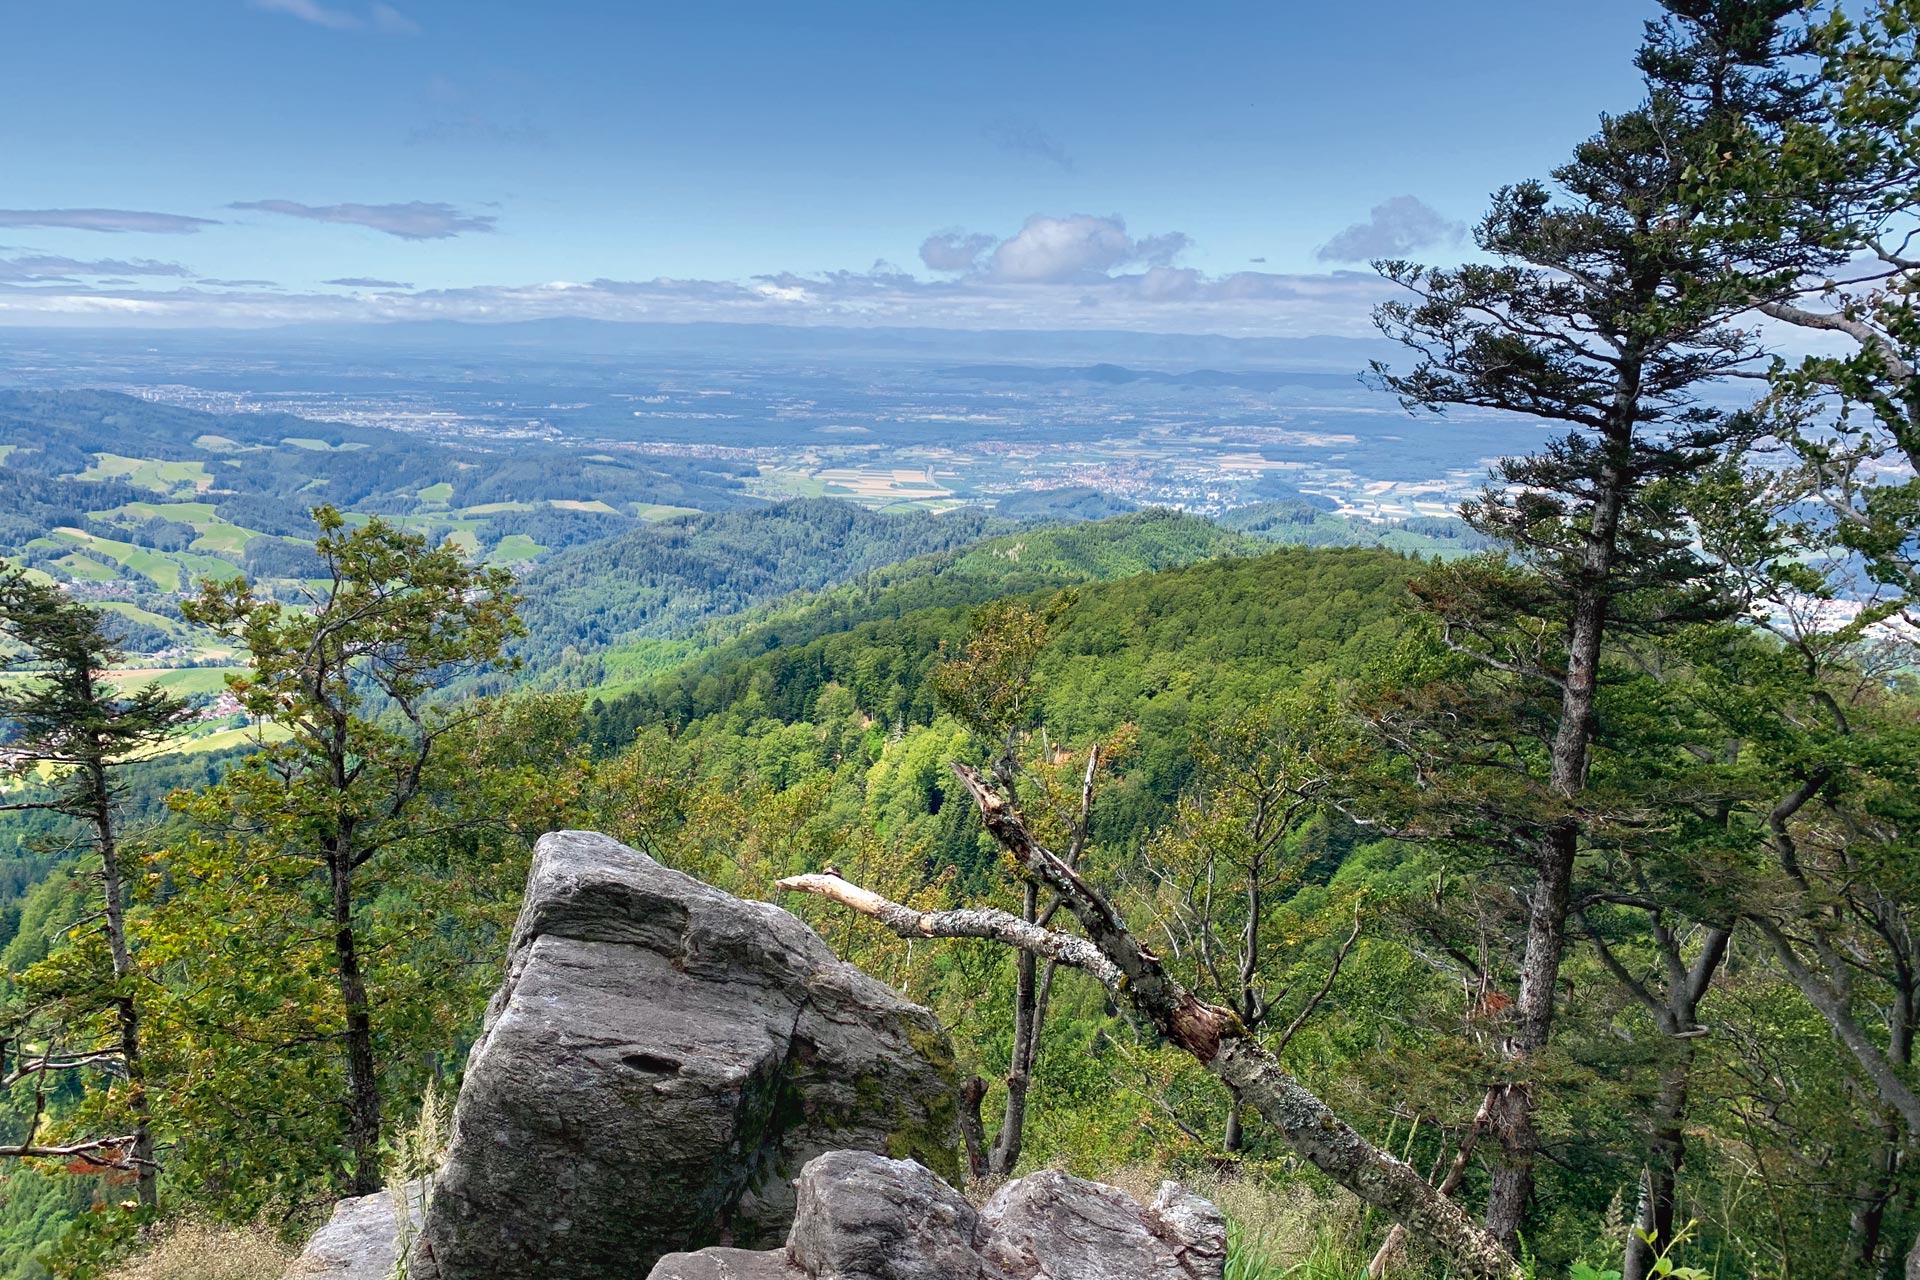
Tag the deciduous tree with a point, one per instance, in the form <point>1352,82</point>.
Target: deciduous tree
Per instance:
<point>349,675</point>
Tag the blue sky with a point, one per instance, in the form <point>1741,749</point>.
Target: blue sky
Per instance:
<point>1218,167</point>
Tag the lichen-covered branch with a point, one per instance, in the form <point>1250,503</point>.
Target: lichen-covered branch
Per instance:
<point>1213,1035</point>
<point>971,922</point>
<point>1218,1039</point>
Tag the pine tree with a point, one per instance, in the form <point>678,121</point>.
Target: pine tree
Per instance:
<point>1611,301</point>
<point>68,719</point>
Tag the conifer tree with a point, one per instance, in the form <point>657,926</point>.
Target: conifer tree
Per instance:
<point>68,719</point>
<point>1609,302</point>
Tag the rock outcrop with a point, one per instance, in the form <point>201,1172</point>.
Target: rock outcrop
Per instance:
<point>660,1063</point>
<point>361,1241</point>
<point>865,1217</point>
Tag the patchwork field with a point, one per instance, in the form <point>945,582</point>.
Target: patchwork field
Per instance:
<point>149,473</point>
<point>169,571</point>
<point>870,486</point>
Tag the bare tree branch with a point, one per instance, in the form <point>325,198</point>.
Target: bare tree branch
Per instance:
<point>973,922</point>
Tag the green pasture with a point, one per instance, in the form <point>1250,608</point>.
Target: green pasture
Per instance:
<point>515,547</point>
<point>171,571</point>
<point>150,473</point>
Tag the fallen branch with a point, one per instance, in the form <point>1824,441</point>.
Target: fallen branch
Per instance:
<point>1394,1247</point>
<point>970,922</point>
<point>1212,1035</point>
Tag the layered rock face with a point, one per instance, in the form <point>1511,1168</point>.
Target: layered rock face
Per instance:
<point>660,1063</point>
<point>865,1217</point>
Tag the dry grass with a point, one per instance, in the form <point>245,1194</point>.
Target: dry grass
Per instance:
<point>195,1251</point>
<point>1279,1229</point>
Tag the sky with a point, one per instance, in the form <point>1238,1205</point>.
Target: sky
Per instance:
<point>1200,167</point>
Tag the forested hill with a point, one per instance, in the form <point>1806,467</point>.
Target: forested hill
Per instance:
<point>1168,650</point>
<point>834,748</point>
<point>1013,564</point>
<point>1300,523</point>
<point>662,580</point>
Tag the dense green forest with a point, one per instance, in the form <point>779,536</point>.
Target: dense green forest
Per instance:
<point>659,582</point>
<point>1532,895</point>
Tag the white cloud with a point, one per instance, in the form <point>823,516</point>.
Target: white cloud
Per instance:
<point>1161,299</point>
<point>1076,248</point>
<point>1398,227</point>
<point>379,17</point>
<point>52,267</point>
<point>954,250</point>
<point>416,220</point>
<point>1049,250</point>
<point>1070,272</point>
<point>112,221</point>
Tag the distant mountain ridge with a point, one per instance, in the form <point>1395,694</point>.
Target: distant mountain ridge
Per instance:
<point>1116,375</point>
<point>582,336</point>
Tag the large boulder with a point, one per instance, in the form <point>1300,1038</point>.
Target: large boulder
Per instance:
<point>660,1063</point>
<point>865,1217</point>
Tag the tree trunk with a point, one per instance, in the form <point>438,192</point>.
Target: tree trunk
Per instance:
<point>1847,1029</point>
<point>1511,1120</point>
<point>1236,1138</point>
<point>1870,1198</point>
<point>1660,1180</point>
<point>1005,1155</point>
<point>973,1133</point>
<point>126,1012</point>
<point>1332,1146</point>
<point>1249,1004</point>
<point>363,1091</point>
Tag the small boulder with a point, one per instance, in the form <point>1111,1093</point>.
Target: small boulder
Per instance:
<point>862,1215</point>
<point>1065,1228</point>
<point>724,1264</point>
<point>865,1217</point>
<point>660,1063</point>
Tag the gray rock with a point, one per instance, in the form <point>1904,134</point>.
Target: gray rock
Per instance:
<point>1194,1227</point>
<point>865,1217</point>
<point>1064,1228</point>
<point>660,1063</point>
<point>360,1241</point>
<point>725,1264</point>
